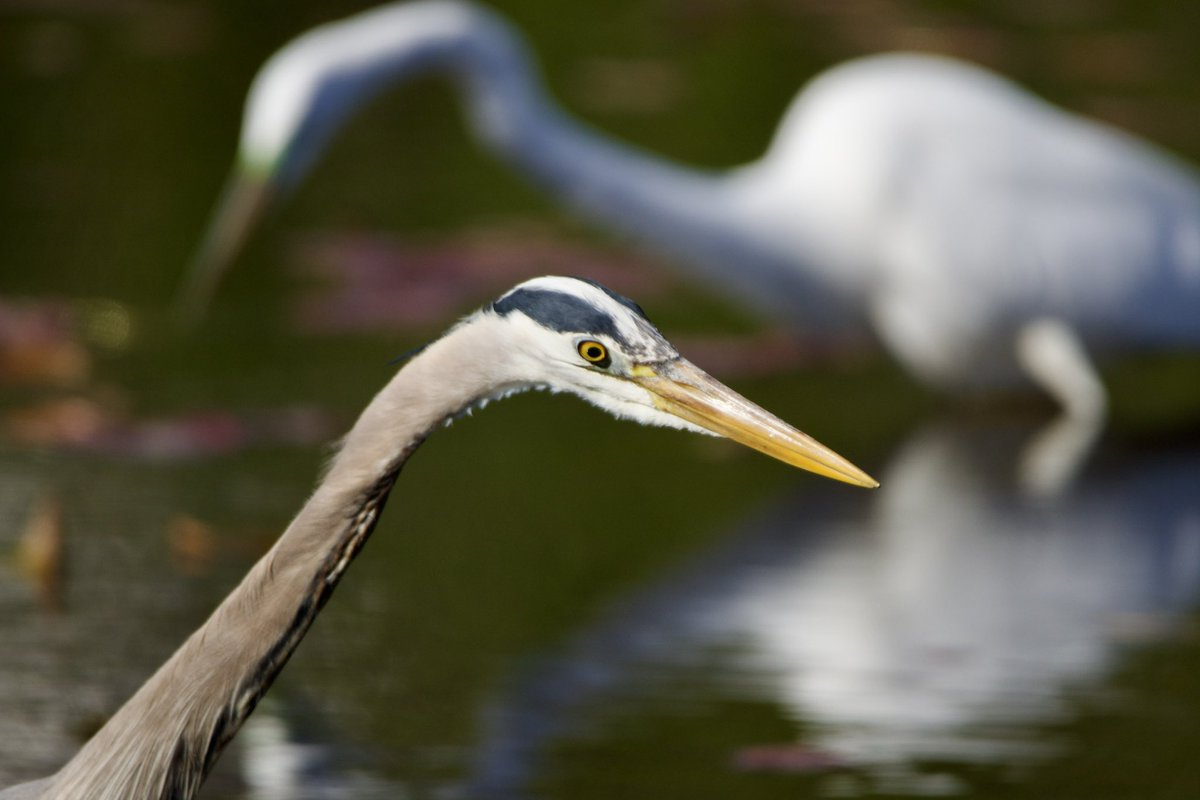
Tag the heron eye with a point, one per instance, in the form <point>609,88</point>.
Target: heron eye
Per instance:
<point>594,352</point>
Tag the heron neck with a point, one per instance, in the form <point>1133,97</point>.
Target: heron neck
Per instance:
<point>163,742</point>
<point>697,216</point>
<point>706,220</point>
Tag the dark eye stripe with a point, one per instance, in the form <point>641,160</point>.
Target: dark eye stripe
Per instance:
<point>620,298</point>
<point>559,312</point>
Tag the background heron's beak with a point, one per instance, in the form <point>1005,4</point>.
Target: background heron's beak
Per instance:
<point>683,389</point>
<point>246,197</point>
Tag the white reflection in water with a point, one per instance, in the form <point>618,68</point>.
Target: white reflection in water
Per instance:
<point>945,622</point>
<point>281,757</point>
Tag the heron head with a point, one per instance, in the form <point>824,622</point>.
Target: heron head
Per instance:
<point>307,90</point>
<point>573,335</point>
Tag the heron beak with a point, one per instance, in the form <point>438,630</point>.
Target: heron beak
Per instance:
<point>245,198</point>
<point>684,390</point>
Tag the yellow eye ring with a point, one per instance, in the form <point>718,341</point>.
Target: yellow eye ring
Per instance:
<point>594,352</point>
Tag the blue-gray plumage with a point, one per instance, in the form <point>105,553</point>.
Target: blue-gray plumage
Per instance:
<point>561,334</point>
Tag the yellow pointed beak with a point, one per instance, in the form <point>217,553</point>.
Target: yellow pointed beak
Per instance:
<point>246,197</point>
<point>684,390</point>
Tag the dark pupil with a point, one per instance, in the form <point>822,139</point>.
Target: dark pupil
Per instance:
<point>594,353</point>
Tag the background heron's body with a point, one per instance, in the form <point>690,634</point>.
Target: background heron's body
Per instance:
<point>932,200</point>
<point>560,334</point>
<point>959,208</point>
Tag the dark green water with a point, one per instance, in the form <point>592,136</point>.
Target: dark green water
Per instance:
<point>718,626</point>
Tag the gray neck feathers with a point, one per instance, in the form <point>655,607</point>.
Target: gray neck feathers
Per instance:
<point>165,739</point>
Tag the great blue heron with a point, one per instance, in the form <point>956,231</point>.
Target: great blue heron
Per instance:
<point>560,334</point>
<point>990,238</point>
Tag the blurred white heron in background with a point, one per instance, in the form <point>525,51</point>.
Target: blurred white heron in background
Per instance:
<point>990,239</point>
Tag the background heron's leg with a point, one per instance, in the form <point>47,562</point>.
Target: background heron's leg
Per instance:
<point>1052,354</point>
<point>1054,357</point>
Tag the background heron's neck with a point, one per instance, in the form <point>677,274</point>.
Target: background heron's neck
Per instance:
<point>695,215</point>
<point>707,220</point>
<point>163,741</point>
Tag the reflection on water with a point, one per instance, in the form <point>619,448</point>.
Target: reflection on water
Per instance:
<point>947,624</point>
<point>284,755</point>
<point>66,663</point>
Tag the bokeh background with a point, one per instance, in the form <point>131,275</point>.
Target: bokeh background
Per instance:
<point>557,604</point>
